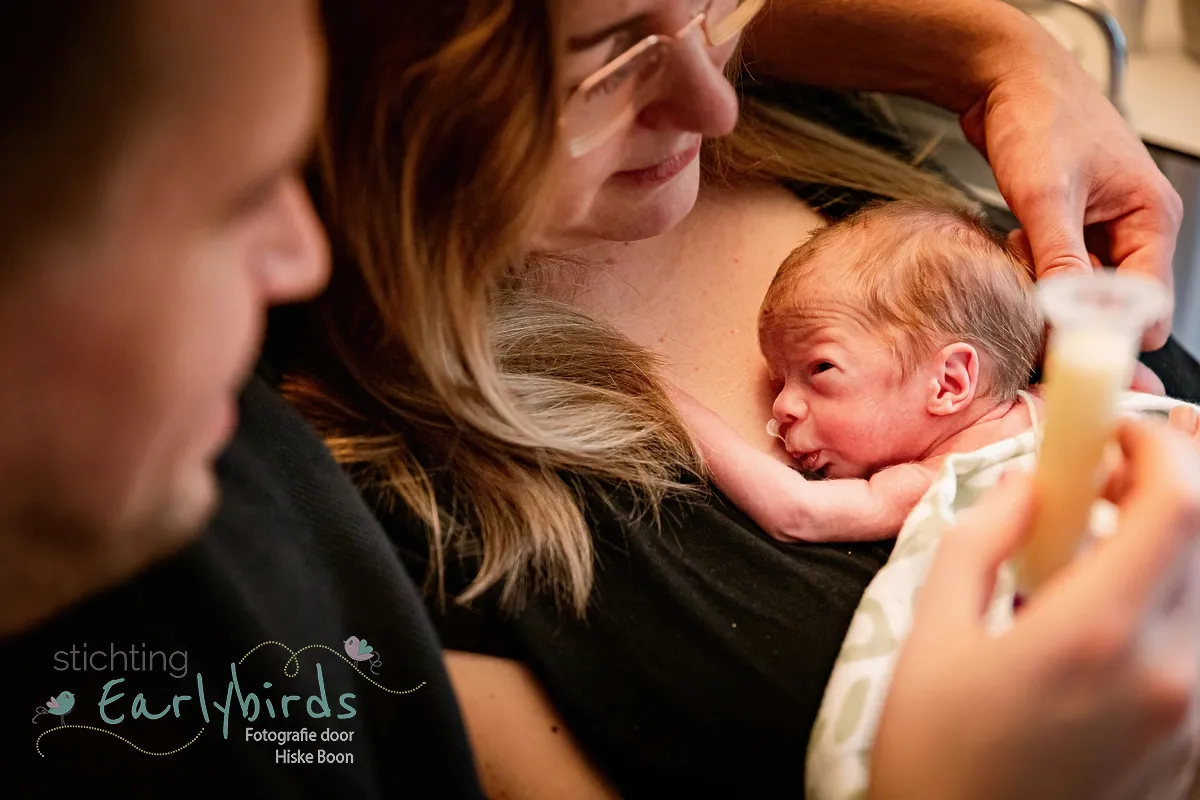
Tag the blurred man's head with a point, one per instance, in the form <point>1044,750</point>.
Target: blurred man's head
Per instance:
<point>149,214</point>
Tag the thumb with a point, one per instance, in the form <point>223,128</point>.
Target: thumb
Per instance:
<point>1053,226</point>
<point>962,579</point>
<point>1144,380</point>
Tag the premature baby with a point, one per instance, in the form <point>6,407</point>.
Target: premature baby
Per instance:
<point>894,337</point>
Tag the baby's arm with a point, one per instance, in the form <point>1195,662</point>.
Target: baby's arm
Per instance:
<point>790,508</point>
<point>865,510</point>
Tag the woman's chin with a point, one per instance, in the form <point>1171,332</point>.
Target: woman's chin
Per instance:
<point>632,213</point>
<point>621,212</point>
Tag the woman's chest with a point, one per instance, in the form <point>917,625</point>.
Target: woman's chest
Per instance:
<point>693,297</point>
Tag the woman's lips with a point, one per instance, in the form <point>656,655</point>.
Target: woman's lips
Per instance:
<point>663,171</point>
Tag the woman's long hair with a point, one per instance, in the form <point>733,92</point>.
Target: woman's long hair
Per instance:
<point>430,383</point>
<point>488,412</point>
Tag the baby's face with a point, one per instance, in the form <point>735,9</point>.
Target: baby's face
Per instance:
<point>843,405</point>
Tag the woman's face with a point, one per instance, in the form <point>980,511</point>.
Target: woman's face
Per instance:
<point>644,178</point>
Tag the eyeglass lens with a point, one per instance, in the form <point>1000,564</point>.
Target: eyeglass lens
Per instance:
<point>594,113</point>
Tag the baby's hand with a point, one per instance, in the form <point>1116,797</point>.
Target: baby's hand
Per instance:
<point>848,509</point>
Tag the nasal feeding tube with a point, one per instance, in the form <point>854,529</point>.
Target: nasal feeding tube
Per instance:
<point>1096,324</point>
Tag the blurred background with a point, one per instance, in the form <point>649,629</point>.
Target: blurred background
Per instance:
<point>1146,55</point>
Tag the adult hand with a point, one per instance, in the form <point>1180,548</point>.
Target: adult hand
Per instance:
<point>1064,159</point>
<point>1144,379</point>
<point>1092,693</point>
<point>1072,171</point>
<point>1186,420</point>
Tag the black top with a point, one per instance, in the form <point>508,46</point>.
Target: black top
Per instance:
<point>705,653</point>
<point>293,557</point>
<point>702,661</point>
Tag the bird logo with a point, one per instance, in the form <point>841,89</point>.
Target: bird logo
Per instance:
<point>359,650</point>
<point>57,706</point>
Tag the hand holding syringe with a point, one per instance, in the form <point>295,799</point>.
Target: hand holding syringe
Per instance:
<point>1097,321</point>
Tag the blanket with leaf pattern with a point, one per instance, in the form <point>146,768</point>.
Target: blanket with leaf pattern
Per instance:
<point>840,744</point>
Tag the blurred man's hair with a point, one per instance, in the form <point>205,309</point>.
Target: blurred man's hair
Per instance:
<point>71,79</point>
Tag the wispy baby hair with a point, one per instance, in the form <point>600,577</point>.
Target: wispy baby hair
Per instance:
<point>923,276</point>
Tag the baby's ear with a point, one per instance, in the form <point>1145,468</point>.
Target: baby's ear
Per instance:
<point>955,379</point>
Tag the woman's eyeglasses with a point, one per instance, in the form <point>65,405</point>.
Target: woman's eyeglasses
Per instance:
<point>612,96</point>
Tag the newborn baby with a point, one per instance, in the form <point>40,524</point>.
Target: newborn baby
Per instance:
<point>895,337</point>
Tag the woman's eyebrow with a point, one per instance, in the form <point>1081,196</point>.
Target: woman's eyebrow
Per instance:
<point>588,41</point>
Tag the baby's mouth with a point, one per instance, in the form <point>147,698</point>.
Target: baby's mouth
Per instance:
<point>810,462</point>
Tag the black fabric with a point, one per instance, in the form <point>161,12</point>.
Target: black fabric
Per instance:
<point>1177,369</point>
<point>294,557</point>
<point>701,664</point>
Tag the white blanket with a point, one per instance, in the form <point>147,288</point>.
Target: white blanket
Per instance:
<point>840,746</point>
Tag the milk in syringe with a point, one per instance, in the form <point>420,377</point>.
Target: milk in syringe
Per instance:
<point>1097,321</point>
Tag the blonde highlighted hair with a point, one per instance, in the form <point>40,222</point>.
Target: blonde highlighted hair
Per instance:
<point>923,276</point>
<point>491,414</point>
<point>775,143</point>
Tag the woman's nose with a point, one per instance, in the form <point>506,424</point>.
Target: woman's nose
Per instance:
<point>694,95</point>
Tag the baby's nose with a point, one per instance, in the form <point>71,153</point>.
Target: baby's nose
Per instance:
<point>788,409</point>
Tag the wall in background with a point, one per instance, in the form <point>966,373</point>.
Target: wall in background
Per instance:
<point>1184,173</point>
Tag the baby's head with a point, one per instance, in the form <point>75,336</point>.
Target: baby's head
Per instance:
<point>892,330</point>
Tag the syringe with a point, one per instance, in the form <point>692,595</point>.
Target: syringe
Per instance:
<point>1096,325</point>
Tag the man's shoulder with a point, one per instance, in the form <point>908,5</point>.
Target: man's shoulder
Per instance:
<point>292,591</point>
